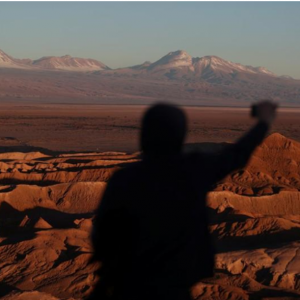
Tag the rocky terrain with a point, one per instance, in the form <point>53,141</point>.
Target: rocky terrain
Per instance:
<point>176,77</point>
<point>47,201</point>
<point>46,211</point>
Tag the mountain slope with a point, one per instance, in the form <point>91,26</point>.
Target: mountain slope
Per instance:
<point>177,59</point>
<point>66,63</point>
<point>179,63</point>
<point>69,63</point>
<point>7,61</point>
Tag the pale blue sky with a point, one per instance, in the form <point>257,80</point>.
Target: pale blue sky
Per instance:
<point>122,34</point>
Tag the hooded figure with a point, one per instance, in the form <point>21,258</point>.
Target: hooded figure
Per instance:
<point>151,230</point>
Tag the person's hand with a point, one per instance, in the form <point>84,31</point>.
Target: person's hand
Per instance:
<point>265,111</point>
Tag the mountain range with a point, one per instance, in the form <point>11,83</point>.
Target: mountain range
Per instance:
<point>177,76</point>
<point>67,63</point>
<point>206,66</point>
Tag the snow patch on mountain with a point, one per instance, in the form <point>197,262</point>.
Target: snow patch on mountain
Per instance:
<point>177,59</point>
<point>7,61</point>
<point>69,63</point>
<point>203,65</point>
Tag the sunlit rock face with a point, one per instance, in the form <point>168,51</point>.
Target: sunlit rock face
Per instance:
<point>47,205</point>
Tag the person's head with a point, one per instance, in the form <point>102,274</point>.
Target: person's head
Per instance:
<point>163,130</point>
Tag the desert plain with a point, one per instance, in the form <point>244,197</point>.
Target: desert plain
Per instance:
<point>56,159</point>
<point>92,127</point>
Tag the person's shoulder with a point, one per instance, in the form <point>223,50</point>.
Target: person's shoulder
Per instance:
<point>125,173</point>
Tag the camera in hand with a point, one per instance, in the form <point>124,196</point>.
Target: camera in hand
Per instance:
<point>254,111</point>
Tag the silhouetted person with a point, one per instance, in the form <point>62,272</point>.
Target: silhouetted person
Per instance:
<point>150,232</point>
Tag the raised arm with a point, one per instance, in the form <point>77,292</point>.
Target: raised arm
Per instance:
<point>237,155</point>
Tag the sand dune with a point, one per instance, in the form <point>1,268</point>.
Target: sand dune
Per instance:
<point>47,204</point>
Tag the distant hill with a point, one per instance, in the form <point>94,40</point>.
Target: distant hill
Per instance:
<point>67,63</point>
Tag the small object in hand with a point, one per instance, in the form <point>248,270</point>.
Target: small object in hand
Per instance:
<point>254,111</point>
<point>264,110</point>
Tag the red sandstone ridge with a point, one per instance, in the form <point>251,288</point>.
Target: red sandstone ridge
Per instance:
<point>46,211</point>
<point>47,205</point>
<point>274,167</point>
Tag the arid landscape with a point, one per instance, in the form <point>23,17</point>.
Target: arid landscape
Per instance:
<point>76,78</point>
<point>57,159</point>
<point>89,128</point>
